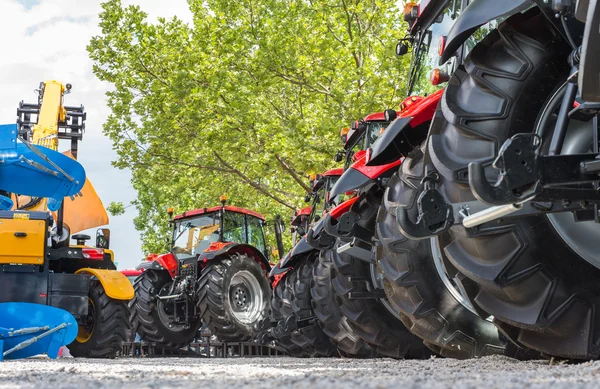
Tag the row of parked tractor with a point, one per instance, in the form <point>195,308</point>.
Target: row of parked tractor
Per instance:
<point>463,224</point>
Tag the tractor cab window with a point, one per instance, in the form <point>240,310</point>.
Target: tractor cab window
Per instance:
<point>373,131</point>
<point>256,235</point>
<point>234,229</point>
<point>339,199</point>
<point>318,205</point>
<point>192,236</point>
<point>356,146</point>
<point>426,55</point>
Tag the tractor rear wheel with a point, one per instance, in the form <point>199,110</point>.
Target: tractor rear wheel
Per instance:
<point>309,336</point>
<point>106,327</point>
<point>233,297</point>
<point>151,317</point>
<point>529,272</point>
<point>279,312</point>
<point>326,306</point>
<point>372,317</point>
<point>417,283</point>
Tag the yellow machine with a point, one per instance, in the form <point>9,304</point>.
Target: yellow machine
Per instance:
<point>39,265</point>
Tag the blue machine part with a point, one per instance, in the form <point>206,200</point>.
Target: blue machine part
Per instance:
<point>31,329</point>
<point>37,171</point>
<point>5,203</point>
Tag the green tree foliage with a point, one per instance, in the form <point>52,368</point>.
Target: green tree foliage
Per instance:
<point>246,101</point>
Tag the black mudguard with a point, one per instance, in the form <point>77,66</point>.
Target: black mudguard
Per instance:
<point>317,238</point>
<point>351,179</point>
<point>301,249</point>
<point>278,268</point>
<point>476,14</point>
<point>154,265</point>
<point>393,143</point>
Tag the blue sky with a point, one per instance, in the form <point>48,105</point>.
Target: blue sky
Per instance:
<point>46,39</point>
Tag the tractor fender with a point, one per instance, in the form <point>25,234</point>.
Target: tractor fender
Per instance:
<point>277,270</point>
<point>220,248</point>
<point>166,262</point>
<point>318,239</point>
<point>115,284</point>
<point>301,249</point>
<point>359,175</point>
<point>405,133</point>
<point>477,13</point>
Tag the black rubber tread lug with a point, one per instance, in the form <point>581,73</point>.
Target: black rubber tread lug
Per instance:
<point>308,337</point>
<point>326,306</point>
<point>277,313</point>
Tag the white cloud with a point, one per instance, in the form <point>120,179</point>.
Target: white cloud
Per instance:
<point>46,39</point>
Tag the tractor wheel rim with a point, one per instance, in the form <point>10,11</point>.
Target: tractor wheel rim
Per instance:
<point>166,310</point>
<point>85,331</point>
<point>581,237</point>
<point>246,297</point>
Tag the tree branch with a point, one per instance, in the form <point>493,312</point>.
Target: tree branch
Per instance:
<point>295,176</point>
<point>253,184</point>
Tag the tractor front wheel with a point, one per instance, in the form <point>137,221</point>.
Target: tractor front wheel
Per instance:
<point>105,328</point>
<point>152,318</point>
<point>233,296</point>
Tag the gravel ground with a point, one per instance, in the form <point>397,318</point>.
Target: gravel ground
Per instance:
<point>283,372</point>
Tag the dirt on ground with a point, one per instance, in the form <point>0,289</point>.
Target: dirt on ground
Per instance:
<point>284,372</point>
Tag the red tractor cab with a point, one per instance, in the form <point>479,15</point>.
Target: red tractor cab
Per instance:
<point>216,273</point>
<point>361,135</point>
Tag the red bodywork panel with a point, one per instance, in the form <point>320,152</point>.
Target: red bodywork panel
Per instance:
<point>201,211</point>
<point>131,272</point>
<point>334,172</point>
<point>373,171</point>
<point>215,246</point>
<point>343,208</point>
<point>296,220</point>
<point>277,278</point>
<point>422,110</point>
<point>169,262</point>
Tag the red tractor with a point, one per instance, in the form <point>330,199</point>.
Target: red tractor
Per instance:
<point>216,273</point>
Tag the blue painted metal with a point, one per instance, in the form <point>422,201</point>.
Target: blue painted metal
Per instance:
<point>37,171</point>
<point>5,203</point>
<point>32,329</point>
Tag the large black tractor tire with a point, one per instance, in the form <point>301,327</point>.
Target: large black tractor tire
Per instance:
<point>107,329</point>
<point>369,318</point>
<point>309,336</point>
<point>414,285</point>
<point>542,293</point>
<point>278,313</point>
<point>233,296</point>
<point>326,306</point>
<point>377,324</point>
<point>150,317</point>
